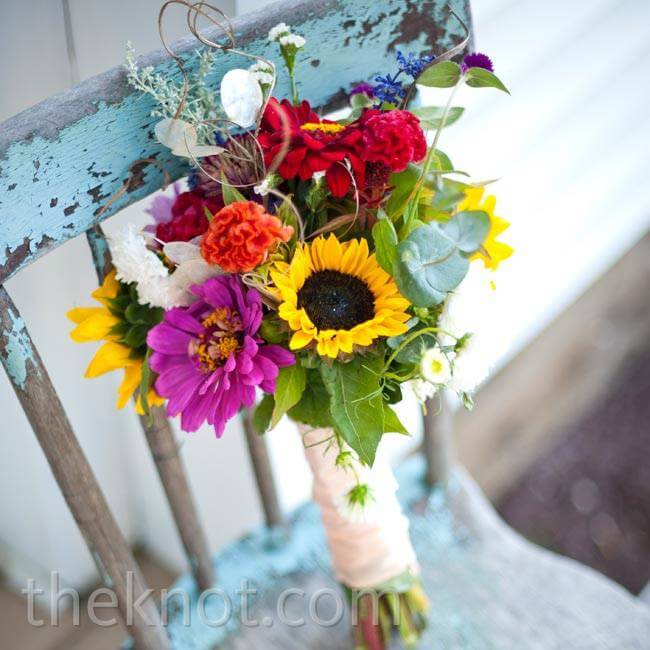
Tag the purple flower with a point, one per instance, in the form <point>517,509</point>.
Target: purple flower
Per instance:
<point>363,88</point>
<point>413,65</point>
<point>161,206</point>
<point>209,356</point>
<point>477,60</point>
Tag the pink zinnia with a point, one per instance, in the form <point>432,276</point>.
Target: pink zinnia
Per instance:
<point>209,356</point>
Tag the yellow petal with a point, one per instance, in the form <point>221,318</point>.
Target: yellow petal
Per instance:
<point>111,356</point>
<point>109,289</point>
<point>299,340</point>
<point>79,314</point>
<point>94,328</point>
<point>131,380</point>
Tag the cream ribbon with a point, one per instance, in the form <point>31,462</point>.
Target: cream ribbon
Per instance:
<point>366,551</point>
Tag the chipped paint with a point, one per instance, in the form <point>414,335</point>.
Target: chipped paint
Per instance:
<point>18,351</point>
<point>84,157</point>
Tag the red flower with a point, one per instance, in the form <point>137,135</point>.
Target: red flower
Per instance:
<point>188,218</point>
<point>394,138</point>
<point>240,236</point>
<point>315,145</point>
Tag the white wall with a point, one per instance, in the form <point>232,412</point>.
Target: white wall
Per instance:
<point>571,146</point>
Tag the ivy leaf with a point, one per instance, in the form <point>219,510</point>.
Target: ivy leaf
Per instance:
<point>313,407</point>
<point>468,229</point>
<point>480,78</point>
<point>440,75</point>
<point>428,266</point>
<point>230,193</point>
<point>262,414</point>
<point>289,388</point>
<point>385,238</point>
<point>431,116</point>
<point>358,410</point>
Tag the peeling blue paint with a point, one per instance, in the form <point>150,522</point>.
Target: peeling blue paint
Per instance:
<point>90,158</point>
<point>18,351</point>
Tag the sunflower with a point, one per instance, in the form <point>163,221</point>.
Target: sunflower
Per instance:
<point>493,252</point>
<point>108,323</point>
<point>336,295</point>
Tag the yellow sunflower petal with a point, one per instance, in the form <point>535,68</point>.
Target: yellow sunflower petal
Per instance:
<point>111,356</point>
<point>131,380</point>
<point>109,289</point>
<point>299,340</point>
<point>95,327</point>
<point>79,314</point>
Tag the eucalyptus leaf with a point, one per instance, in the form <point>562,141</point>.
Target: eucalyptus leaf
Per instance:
<point>359,413</point>
<point>262,414</point>
<point>428,266</point>
<point>468,229</point>
<point>289,387</point>
<point>431,116</point>
<point>480,78</point>
<point>440,75</point>
<point>385,238</point>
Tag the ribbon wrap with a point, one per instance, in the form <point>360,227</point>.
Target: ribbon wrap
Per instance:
<point>366,551</point>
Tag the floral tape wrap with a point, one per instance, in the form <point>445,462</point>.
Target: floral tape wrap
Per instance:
<point>366,551</point>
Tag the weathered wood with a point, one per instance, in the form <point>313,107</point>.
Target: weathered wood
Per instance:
<point>438,424</point>
<point>263,471</point>
<point>166,456</point>
<point>76,479</point>
<point>489,588</point>
<point>62,158</point>
<point>169,464</point>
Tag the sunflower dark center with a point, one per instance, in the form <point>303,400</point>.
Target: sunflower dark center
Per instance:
<point>335,300</point>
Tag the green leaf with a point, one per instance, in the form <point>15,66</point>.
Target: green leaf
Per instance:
<point>137,314</point>
<point>272,330</point>
<point>136,336</point>
<point>480,78</point>
<point>443,161</point>
<point>440,75</point>
<point>230,194</point>
<point>428,266</point>
<point>208,215</point>
<point>385,238</point>
<point>468,229</point>
<point>289,388</point>
<point>403,184</point>
<point>431,116</point>
<point>359,412</point>
<point>313,407</point>
<point>262,414</point>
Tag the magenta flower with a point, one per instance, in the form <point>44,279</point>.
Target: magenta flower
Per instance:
<point>209,356</point>
<point>477,60</point>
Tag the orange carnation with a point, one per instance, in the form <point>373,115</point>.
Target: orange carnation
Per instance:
<point>240,236</point>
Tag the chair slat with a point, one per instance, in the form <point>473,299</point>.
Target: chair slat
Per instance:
<point>62,158</point>
<point>437,446</point>
<point>166,456</point>
<point>75,477</point>
<point>263,471</point>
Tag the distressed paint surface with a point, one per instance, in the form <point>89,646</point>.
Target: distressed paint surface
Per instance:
<point>489,588</point>
<point>18,351</point>
<point>60,160</point>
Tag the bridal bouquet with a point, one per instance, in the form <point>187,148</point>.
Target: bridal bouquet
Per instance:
<point>321,264</point>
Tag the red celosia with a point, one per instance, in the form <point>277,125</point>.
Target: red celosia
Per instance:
<point>315,145</point>
<point>240,236</point>
<point>394,138</point>
<point>188,218</point>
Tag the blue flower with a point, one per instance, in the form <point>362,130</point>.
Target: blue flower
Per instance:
<point>413,65</point>
<point>388,89</point>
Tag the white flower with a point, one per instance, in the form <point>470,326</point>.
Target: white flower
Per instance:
<point>135,263</point>
<point>241,97</point>
<point>263,72</point>
<point>292,39</point>
<point>263,188</point>
<point>435,366</point>
<point>423,389</point>
<point>279,30</point>
<point>470,312</point>
<point>317,176</point>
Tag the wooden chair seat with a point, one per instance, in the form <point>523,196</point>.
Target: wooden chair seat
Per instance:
<point>489,587</point>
